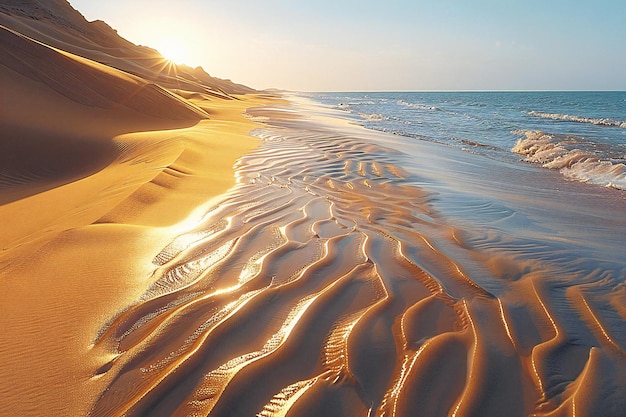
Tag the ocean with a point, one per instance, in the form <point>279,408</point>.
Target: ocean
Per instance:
<point>581,134</point>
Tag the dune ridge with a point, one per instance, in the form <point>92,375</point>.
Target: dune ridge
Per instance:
<point>58,24</point>
<point>59,112</point>
<point>90,83</point>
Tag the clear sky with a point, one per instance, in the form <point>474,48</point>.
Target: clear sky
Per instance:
<point>359,45</point>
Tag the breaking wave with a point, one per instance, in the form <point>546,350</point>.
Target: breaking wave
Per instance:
<point>581,165</point>
<point>348,105</point>
<point>417,106</point>
<point>578,119</point>
<point>375,117</point>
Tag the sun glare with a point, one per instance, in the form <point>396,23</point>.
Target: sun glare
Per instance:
<point>174,51</point>
<point>176,39</point>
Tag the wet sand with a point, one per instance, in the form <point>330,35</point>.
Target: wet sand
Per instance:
<point>327,282</point>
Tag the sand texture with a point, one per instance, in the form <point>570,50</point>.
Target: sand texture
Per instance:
<point>326,284</point>
<point>172,244</point>
<point>98,167</point>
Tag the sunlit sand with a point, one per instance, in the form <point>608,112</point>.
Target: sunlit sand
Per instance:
<point>99,168</point>
<point>176,244</point>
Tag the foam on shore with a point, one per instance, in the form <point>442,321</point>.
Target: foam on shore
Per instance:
<point>542,148</point>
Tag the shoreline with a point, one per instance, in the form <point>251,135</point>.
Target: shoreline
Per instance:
<point>173,243</point>
<point>337,275</point>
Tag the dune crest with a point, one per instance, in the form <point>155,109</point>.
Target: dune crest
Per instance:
<point>56,23</point>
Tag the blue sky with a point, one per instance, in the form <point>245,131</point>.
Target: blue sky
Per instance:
<point>349,45</point>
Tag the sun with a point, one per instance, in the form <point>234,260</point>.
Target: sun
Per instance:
<point>175,39</point>
<point>174,50</point>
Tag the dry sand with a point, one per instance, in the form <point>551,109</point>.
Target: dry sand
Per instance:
<point>99,169</point>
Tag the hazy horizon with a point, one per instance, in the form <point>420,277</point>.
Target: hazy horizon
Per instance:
<point>384,46</point>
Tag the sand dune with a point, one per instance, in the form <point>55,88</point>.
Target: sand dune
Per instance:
<point>57,24</point>
<point>60,112</point>
<point>90,83</point>
<point>97,167</point>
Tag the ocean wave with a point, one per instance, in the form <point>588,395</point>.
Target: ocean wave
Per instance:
<point>375,117</point>
<point>349,106</point>
<point>416,105</point>
<point>579,119</point>
<point>474,144</point>
<point>357,103</point>
<point>581,165</point>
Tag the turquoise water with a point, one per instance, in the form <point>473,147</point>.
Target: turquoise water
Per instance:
<point>581,134</point>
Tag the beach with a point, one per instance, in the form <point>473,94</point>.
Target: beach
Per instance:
<point>351,286</point>
<point>173,244</point>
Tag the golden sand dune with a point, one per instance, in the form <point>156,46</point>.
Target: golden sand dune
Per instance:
<point>96,165</point>
<point>56,23</point>
<point>60,111</point>
<point>90,83</point>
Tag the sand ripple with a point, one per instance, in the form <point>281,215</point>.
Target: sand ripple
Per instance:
<point>326,284</point>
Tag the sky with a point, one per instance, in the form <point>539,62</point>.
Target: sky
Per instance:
<point>384,45</point>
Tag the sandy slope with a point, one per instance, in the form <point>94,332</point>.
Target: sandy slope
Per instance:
<point>73,255</point>
<point>98,166</point>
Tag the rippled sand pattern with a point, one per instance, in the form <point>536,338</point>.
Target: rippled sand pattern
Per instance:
<point>323,285</point>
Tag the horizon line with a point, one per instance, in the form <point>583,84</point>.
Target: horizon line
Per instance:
<point>447,91</point>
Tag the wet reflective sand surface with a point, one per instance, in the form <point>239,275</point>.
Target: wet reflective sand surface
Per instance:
<point>344,277</point>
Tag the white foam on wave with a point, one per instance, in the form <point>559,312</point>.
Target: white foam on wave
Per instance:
<point>541,148</point>
<point>579,119</point>
<point>357,103</point>
<point>368,117</point>
<point>416,105</point>
<point>375,117</point>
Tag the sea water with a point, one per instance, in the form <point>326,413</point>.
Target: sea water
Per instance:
<point>546,169</point>
<point>580,134</point>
